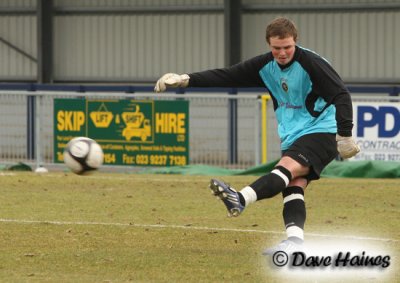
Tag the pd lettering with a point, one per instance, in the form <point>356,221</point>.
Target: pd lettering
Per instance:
<point>369,117</point>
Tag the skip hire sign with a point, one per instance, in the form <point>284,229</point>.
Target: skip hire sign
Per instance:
<point>130,132</point>
<point>377,130</point>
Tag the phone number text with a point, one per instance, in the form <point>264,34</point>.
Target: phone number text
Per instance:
<point>147,159</point>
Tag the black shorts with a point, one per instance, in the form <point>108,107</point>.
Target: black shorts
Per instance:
<point>315,151</point>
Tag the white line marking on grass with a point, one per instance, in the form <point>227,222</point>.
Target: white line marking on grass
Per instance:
<point>189,227</point>
<point>129,177</point>
<point>6,174</point>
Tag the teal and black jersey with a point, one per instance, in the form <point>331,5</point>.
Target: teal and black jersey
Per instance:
<point>308,94</point>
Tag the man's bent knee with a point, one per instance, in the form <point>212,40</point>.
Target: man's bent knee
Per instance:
<point>295,168</point>
<point>299,182</point>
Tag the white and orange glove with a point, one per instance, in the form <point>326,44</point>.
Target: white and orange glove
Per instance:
<point>171,80</point>
<point>346,146</point>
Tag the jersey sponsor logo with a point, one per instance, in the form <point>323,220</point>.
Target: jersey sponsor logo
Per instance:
<point>289,106</point>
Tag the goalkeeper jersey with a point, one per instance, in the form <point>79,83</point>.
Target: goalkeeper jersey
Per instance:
<point>308,95</point>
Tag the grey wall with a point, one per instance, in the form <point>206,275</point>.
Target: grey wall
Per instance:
<point>137,41</point>
<point>125,47</point>
<point>362,46</point>
<point>19,31</point>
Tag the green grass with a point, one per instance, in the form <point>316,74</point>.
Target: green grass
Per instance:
<point>167,228</point>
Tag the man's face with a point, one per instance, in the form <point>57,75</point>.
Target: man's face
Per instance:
<point>282,49</point>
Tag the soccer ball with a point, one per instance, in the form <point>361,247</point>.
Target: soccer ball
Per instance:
<point>83,155</point>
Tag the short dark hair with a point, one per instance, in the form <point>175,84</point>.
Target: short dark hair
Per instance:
<point>282,28</point>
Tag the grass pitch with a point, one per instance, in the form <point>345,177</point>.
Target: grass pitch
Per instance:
<point>109,227</point>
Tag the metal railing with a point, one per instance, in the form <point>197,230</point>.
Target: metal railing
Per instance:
<point>25,113</point>
<point>27,120</point>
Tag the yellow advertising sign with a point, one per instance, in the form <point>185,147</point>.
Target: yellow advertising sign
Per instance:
<point>102,117</point>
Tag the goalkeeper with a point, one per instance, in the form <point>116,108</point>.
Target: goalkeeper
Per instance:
<point>314,113</point>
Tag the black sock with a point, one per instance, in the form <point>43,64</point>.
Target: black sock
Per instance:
<point>272,184</point>
<point>241,199</point>
<point>294,210</point>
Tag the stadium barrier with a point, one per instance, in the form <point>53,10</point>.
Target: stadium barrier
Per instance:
<point>209,127</point>
<point>27,121</point>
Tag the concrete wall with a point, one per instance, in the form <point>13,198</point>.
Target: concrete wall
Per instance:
<point>136,41</point>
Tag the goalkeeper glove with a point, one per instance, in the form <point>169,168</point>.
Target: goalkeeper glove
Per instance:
<point>346,146</point>
<point>171,80</point>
